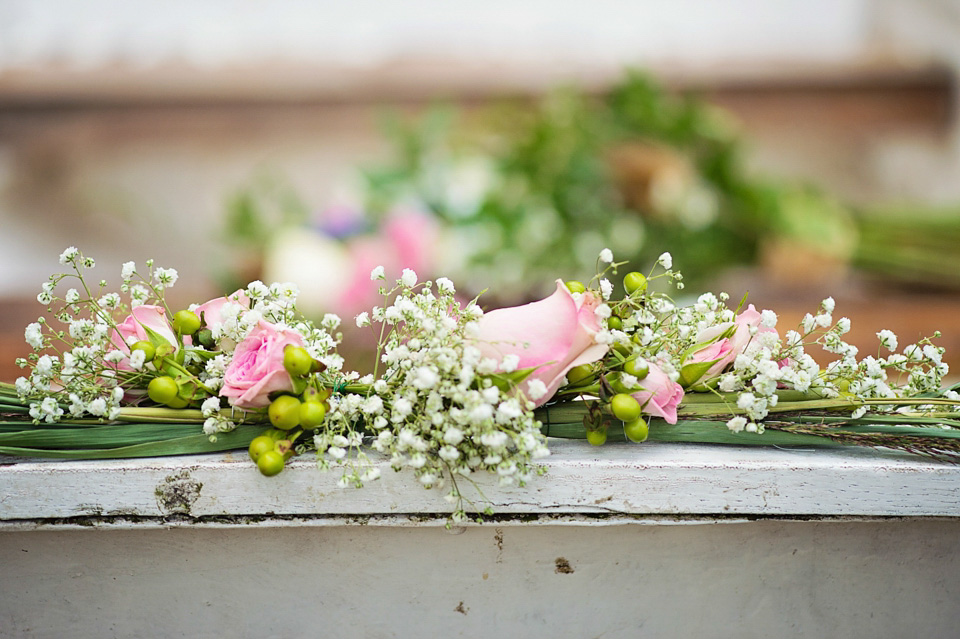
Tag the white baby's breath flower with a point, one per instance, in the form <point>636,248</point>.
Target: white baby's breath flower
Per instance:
<point>666,260</point>
<point>444,285</point>
<point>606,288</point>
<point>509,363</point>
<point>69,255</point>
<point>165,277</point>
<point>137,359</point>
<point>888,339</point>
<point>377,274</point>
<point>127,270</point>
<point>363,319</point>
<point>536,389</point>
<point>210,406</point>
<point>409,278</point>
<point>34,335</point>
<point>606,256</point>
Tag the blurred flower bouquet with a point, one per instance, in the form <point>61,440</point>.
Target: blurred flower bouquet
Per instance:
<point>455,390</point>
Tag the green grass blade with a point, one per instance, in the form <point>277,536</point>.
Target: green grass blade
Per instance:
<point>189,445</point>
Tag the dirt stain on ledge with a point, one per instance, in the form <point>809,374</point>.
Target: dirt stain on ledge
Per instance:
<point>563,567</point>
<point>176,494</point>
<point>461,609</point>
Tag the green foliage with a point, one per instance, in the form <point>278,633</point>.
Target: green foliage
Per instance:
<point>557,184</point>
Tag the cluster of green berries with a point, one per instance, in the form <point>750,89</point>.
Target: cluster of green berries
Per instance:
<point>172,389</point>
<point>290,415</point>
<point>623,405</point>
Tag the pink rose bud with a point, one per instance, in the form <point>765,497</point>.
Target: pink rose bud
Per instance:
<point>256,369</point>
<point>212,310</point>
<point>553,335</point>
<point>134,329</point>
<point>660,395</point>
<point>725,350</point>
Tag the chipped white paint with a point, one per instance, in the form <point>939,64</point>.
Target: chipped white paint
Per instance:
<point>618,479</point>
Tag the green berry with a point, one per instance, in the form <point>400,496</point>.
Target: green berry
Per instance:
<point>633,282</point>
<point>312,414</point>
<point>149,350</point>
<point>636,367</point>
<point>284,412</point>
<point>636,430</point>
<point>178,402</point>
<point>186,322</point>
<point>296,360</point>
<point>163,390</point>
<point>625,407</point>
<point>575,286</point>
<point>579,374</point>
<point>597,437</point>
<point>260,445</point>
<point>270,462</point>
<point>614,323</point>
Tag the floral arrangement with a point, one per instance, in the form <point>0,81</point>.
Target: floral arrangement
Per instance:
<point>455,390</point>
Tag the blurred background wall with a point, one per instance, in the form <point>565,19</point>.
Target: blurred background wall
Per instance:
<point>126,126</point>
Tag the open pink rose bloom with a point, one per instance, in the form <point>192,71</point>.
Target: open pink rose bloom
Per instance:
<point>554,335</point>
<point>256,369</point>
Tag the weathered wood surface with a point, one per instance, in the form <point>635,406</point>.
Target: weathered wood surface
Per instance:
<point>619,480</point>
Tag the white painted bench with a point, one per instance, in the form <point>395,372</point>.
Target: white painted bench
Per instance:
<point>658,540</point>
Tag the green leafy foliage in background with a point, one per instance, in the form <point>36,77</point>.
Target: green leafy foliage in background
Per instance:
<point>537,189</point>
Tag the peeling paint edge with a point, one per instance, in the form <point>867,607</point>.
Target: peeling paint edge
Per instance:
<point>127,522</point>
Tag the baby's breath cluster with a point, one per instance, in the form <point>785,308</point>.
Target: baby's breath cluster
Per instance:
<point>739,355</point>
<point>93,361</point>
<point>435,404</point>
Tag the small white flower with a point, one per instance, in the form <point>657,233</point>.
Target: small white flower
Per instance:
<point>536,389</point>
<point>444,285</point>
<point>510,363</point>
<point>72,296</point>
<point>606,256</point>
<point>888,339</point>
<point>377,274</point>
<point>666,260</point>
<point>69,255</point>
<point>843,326</point>
<point>828,305</point>
<point>97,407</point>
<point>768,318</point>
<point>23,386</point>
<point>165,277</point>
<point>137,359</point>
<point>409,278</point>
<point>127,271</point>
<point>210,406</point>
<point>606,288</point>
<point>602,312</point>
<point>425,377</point>
<point>34,335</point>
<point>363,319</point>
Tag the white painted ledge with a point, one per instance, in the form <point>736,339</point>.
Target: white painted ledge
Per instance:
<point>621,482</point>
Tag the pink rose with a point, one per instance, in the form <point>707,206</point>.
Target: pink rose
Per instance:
<point>725,350</point>
<point>212,310</point>
<point>554,335</point>
<point>134,329</point>
<point>660,395</point>
<point>256,369</point>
